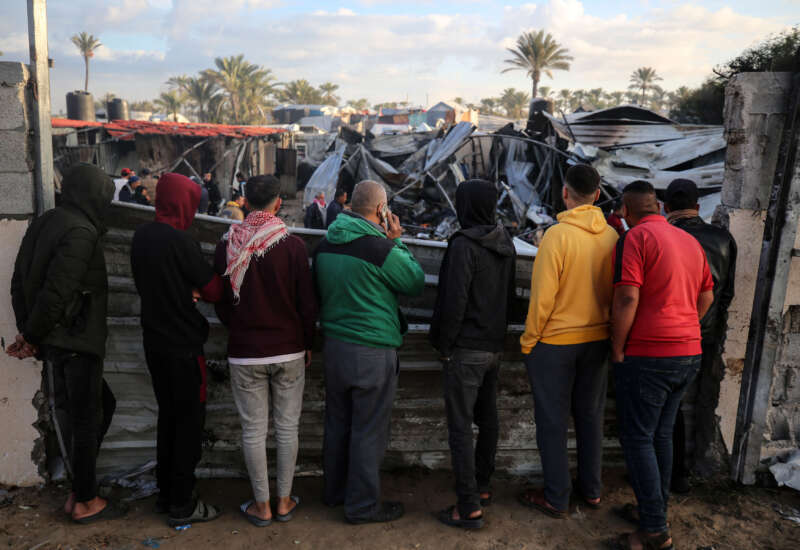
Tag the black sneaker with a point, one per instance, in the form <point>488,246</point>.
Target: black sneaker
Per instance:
<point>389,511</point>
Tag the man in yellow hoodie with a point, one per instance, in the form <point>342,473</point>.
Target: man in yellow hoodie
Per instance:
<point>566,343</point>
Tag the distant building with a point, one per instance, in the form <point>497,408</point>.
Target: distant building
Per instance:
<point>452,113</point>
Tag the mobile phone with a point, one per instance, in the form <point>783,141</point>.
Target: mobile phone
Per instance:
<point>385,213</point>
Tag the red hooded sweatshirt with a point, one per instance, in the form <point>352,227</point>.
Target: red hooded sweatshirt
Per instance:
<point>168,266</point>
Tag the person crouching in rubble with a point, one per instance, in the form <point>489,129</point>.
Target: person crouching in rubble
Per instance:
<point>476,291</point>
<point>566,344</point>
<point>270,309</point>
<point>681,206</point>
<point>59,292</point>
<point>171,274</point>
<point>360,267</point>
<point>662,288</point>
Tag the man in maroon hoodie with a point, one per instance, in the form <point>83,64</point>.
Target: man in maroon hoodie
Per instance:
<point>169,271</point>
<point>270,309</point>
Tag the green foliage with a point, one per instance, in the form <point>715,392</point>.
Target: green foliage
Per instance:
<point>538,53</point>
<point>514,102</point>
<point>701,105</point>
<point>775,53</point>
<point>86,44</point>
<point>300,91</point>
<point>171,102</point>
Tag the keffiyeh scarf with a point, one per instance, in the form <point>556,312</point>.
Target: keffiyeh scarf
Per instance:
<point>255,236</point>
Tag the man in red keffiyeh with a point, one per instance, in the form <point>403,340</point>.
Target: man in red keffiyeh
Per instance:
<point>270,310</point>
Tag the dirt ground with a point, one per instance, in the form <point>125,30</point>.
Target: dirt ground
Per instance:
<point>719,516</point>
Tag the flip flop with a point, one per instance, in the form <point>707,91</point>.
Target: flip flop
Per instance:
<point>255,520</point>
<point>487,501</point>
<point>111,511</point>
<point>535,499</point>
<point>446,517</point>
<point>283,518</point>
<point>202,513</point>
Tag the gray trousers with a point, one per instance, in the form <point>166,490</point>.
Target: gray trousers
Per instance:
<point>360,385</point>
<point>252,386</point>
<point>569,379</point>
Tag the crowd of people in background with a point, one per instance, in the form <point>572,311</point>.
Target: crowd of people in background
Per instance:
<point>641,294</point>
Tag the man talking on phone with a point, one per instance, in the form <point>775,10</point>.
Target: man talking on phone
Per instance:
<point>360,267</point>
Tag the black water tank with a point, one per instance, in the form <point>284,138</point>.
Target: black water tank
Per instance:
<point>80,105</point>
<point>117,109</point>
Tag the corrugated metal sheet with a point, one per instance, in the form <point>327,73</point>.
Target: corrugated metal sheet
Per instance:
<point>419,432</point>
<point>125,129</point>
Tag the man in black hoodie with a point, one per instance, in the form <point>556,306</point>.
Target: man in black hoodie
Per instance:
<point>476,289</point>
<point>59,292</point>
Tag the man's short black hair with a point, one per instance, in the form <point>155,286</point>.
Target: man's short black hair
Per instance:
<point>681,194</point>
<point>583,179</point>
<point>340,192</point>
<point>146,172</point>
<point>640,187</point>
<point>260,191</point>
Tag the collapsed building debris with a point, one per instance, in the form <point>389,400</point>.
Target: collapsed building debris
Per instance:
<point>421,170</point>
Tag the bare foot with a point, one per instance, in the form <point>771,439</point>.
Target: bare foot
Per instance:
<point>70,504</point>
<point>474,515</point>
<point>485,496</point>
<point>286,505</point>
<point>89,508</point>
<point>260,510</point>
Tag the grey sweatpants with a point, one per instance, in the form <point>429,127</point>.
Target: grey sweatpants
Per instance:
<point>252,386</point>
<point>360,384</point>
<point>569,379</point>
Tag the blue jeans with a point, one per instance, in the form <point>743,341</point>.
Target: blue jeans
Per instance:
<point>649,392</point>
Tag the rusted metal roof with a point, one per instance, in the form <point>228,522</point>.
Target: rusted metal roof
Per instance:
<point>126,129</point>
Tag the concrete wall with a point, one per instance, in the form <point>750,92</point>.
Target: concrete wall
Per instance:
<point>19,380</point>
<point>755,105</point>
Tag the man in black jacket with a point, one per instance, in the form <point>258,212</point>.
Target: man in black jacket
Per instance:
<point>681,205</point>
<point>335,207</point>
<point>476,289</point>
<point>59,292</point>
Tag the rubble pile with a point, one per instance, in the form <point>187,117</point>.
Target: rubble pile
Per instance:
<point>421,170</point>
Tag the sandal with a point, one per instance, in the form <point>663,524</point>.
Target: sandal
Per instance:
<point>446,517</point>
<point>202,513</point>
<point>534,498</point>
<point>290,514</point>
<point>255,520</point>
<point>486,501</point>
<point>111,511</point>
<point>649,541</point>
<point>593,503</point>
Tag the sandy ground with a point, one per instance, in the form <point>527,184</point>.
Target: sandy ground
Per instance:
<point>719,516</point>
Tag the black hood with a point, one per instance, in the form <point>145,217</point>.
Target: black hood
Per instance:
<point>476,203</point>
<point>491,237</point>
<point>90,190</point>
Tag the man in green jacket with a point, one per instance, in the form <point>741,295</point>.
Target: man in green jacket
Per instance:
<point>360,268</point>
<point>59,292</point>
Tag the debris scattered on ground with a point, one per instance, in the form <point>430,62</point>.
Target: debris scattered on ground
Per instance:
<point>141,479</point>
<point>421,170</point>
<point>786,469</point>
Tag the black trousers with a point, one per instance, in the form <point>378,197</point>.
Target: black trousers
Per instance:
<point>177,382</point>
<point>84,407</point>
<point>360,385</point>
<point>569,379</point>
<point>470,396</point>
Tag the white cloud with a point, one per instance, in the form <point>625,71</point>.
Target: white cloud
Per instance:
<point>443,50</point>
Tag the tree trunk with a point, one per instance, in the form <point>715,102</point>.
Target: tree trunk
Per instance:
<point>535,87</point>
<point>86,74</point>
<point>641,102</point>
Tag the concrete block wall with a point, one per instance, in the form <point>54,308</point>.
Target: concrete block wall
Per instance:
<point>755,114</point>
<point>16,160</point>
<point>21,447</point>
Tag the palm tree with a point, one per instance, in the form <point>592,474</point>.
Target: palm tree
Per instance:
<point>300,91</point>
<point>488,105</point>
<point>359,104</point>
<point>545,91</point>
<point>328,97</point>
<point>657,97</point>
<point>538,53</point>
<point>257,90</point>
<point>617,97</point>
<point>459,100</point>
<point>86,44</point>
<point>514,102</point>
<point>199,92</point>
<point>596,97</point>
<point>564,97</point>
<point>171,102</point>
<point>643,78</point>
<point>578,96</point>
<point>232,75</point>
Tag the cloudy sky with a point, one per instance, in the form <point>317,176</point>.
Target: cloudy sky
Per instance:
<point>387,50</point>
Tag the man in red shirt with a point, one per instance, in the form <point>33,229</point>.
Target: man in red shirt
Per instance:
<point>662,288</point>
